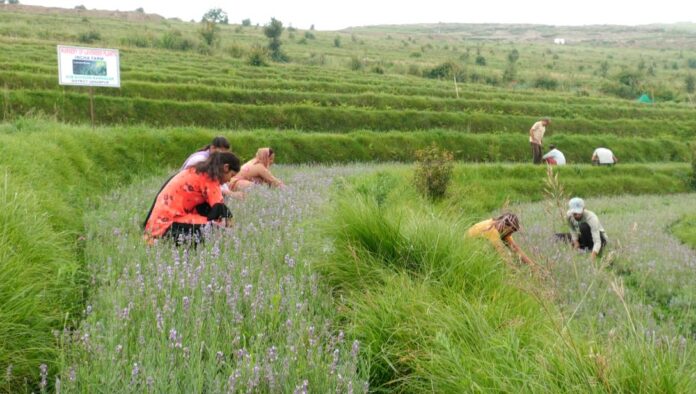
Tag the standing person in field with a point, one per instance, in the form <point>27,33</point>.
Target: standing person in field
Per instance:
<point>256,171</point>
<point>603,157</point>
<point>192,199</point>
<point>586,232</point>
<point>499,232</point>
<point>554,156</point>
<point>536,137</point>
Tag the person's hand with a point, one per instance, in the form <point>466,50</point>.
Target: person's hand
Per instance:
<point>594,256</point>
<point>576,245</point>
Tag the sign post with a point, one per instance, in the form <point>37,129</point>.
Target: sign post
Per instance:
<point>80,66</point>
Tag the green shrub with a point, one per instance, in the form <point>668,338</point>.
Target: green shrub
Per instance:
<point>173,39</point>
<point>433,171</point>
<point>258,57</point>
<point>89,37</point>
<point>356,64</point>
<point>546,82</point>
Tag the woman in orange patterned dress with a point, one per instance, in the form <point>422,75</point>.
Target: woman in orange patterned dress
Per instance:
<point>192,199</point>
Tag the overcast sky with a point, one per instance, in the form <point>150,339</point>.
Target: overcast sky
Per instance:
<point>335,15</point>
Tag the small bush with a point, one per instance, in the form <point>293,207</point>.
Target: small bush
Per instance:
<point>337,42</point>
<point>546,82</point>
<point>480,60</point>
<point>173,39</point>
<point>258,57</point>
<point>309,35</point>
<point>433,171</point>
<point>89,37</point>
<point>246,22</point>
<point>235,50</point>
<point>356,64</point>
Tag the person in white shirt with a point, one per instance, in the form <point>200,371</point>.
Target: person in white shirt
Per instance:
<point>554,156</point>
<point>219,144</point>
<point>603,157</point>
<point>586,232</point>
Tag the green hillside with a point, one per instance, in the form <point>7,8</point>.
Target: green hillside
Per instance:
<point>84,303</point>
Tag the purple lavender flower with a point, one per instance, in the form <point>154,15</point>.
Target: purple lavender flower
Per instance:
<point>43,369</point>
<point>134,373</point>
<point>355,349</point>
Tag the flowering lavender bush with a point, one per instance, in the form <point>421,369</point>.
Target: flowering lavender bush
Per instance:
<point>241,313</point>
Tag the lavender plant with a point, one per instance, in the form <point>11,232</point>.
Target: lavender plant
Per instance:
<point>242,313</point>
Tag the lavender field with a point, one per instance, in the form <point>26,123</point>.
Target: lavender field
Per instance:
<point>243,313</point>
<point>249,312</point>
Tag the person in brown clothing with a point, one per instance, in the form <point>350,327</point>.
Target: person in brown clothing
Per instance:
<point>536,136</point>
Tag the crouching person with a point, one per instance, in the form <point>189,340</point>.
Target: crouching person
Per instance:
<point>586,232</point>
<point>499,232</point>
<point>191,199</point>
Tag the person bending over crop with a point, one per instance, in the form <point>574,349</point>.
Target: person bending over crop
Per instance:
<point>586,232</point>
<point>191,199</point>
<point>219,144</point>
<point>499,232</point>
<point>256,171</point>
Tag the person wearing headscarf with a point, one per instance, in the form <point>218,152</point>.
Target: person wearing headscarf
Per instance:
<point>256,171</point>
<point>499,232</point>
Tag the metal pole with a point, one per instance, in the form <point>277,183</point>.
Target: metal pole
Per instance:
<point>91,104</point>
<point>456,88</point>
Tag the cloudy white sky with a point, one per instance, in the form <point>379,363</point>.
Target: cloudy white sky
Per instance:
<point>334,15</point>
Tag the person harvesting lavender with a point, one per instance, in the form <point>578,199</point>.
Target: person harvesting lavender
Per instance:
<point>499,232</point>
<point>192,199</point>
<point>586,231</point>
<point>256,171</point>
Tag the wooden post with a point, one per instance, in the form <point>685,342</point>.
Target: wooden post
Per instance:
<point>456,88</point>
<point>91,104</point>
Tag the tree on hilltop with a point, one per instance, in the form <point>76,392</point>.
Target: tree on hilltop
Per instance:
<point>215,15</point>
<point>273,30</point>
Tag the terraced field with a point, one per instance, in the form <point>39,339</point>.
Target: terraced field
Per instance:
<point>350,280</point>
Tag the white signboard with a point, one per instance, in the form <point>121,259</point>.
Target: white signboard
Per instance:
<point>88,67</point>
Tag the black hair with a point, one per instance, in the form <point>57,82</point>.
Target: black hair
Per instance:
<point>218,142</point>
<point>507,220</point>
<point>214,165</point>
<point>552,146</point>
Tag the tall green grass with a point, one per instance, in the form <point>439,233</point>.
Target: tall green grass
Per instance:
<point>685,230</point>
<point>442,313</point>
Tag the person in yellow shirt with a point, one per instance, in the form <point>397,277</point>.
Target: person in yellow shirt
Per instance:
<point>499,232</point>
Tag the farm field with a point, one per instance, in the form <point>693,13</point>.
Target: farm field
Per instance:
<point>349,279</point>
